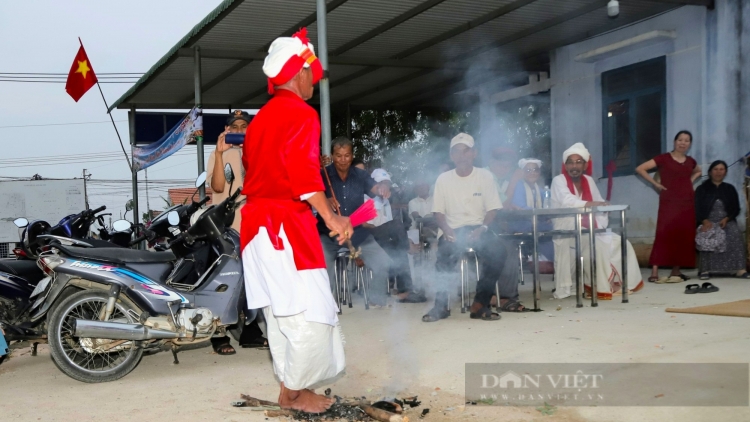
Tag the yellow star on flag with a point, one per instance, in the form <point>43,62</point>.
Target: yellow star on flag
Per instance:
<point>83,68</point>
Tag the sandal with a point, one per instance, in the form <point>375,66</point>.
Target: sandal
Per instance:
<point>745,275</point>
<point>683,277</point>
<point>653,279</point>
<point>413,297</point>
<point>704,276</point>
<point>436,314</point>
<point>513,306</point>
<point>222,347</point>
<point>256,343</point>
<point>708,288</point>
<point>692,289</point>
<point>485,314</point>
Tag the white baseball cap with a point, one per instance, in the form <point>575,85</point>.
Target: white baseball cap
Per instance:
<point>462,138</point>
<point>379,175</point>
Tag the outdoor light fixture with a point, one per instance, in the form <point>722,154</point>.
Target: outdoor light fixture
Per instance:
<point>613,9</point>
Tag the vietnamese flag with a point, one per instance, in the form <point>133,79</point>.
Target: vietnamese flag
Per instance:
<point>81,77</point>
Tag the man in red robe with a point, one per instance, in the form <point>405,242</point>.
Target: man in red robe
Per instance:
<point>284,266</point>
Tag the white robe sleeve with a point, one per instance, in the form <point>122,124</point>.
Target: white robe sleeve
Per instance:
<point>602,218</point>
<point>561,196</point>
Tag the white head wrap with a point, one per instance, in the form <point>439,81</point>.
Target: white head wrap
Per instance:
<point>523,161</point>
<point>462,138</point>
<point>281,50</point>
<point>579,149</point>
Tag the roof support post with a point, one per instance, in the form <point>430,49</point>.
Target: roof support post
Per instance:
<point>325,92</point>
<point>199,103</point>
<point>133,172</point>
<point>348,121</point>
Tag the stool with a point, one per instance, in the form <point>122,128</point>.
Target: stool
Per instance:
<point>342,288</point>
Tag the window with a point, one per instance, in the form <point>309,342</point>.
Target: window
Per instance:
<point>634,114</point>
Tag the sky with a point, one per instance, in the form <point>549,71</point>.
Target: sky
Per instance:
<point>41,36</point>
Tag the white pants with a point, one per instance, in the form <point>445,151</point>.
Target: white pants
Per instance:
<point>305,354</point>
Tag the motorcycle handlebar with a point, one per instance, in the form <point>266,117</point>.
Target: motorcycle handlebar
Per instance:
<point>138,240</point>
<point>177,240</point>
<point>100,209</point>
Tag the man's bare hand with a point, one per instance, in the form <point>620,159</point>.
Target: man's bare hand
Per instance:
<point>706,225</point>
<point>325,160</point>
<point>476,234</point>
<point>383,190</point>
<point>659,187</point>
<point>334,204</point>
<point>221,144</point>
<point>723,222</point>
<point>342,226</point>
<point>449,234</point>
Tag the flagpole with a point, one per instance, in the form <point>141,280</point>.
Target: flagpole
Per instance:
<point>111,118</point>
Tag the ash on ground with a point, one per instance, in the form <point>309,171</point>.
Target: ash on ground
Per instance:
<point>335,413</point>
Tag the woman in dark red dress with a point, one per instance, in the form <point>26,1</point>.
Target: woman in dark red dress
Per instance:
<point>674,245</point>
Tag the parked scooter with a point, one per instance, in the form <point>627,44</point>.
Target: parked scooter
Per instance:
<point>133,301</point>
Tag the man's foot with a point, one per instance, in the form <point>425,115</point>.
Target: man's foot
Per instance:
<point>507,305</point>
<point>438,312</point>
<point>303,400</point>
<point>411,297</point>
<point>222,347</point>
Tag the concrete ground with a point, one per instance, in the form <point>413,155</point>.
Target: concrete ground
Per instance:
<point>391,352</point>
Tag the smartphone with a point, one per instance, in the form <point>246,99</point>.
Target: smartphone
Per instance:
<point>234,138</point>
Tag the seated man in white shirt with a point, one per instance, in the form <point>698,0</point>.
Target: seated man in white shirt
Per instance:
<point>465,204</point>
<point>576,188</point>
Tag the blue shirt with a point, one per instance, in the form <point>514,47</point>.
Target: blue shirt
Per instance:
<point>350,194</point>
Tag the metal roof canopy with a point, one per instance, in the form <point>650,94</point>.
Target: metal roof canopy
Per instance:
<point>402,54</point>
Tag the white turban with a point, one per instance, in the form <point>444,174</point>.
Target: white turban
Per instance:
<point>579,149</point>
<point>462,138</point>
<point>523,161</point>
<point>287,55</point>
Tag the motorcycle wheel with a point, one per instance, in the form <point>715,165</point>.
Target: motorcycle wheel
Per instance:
<point>81,358</point>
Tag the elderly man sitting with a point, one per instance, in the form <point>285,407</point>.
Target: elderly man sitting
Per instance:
<point>528,195</point>
<point>465,204</point>
<point>576,188</point>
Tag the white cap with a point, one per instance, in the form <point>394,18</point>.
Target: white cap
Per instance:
<point>523,161</point>
<point>462,138</point>
<point>379,175</point>
<point>281,50</point>
<point>577,148</point>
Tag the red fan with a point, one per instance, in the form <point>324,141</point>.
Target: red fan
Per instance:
<point>364,213</point>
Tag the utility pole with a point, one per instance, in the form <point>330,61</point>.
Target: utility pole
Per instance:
<point>148,206</point>
<point>85,192</point>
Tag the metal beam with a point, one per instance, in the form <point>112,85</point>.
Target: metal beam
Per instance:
<point>398,20</point>
<point>536,57</point>
<point>222,77</point>
<point>487,17</point>
<point>707,3</point>
<point>347,61</point>
<point>373,90</point>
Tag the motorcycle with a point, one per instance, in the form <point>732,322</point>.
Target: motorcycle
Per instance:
<point>135,301</point>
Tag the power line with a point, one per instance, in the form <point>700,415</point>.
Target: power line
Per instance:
<point>62,124</point>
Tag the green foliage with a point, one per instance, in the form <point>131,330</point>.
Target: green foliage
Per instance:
<point>547,409</point>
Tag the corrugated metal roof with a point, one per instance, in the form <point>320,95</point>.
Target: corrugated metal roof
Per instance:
<point>381,52</point>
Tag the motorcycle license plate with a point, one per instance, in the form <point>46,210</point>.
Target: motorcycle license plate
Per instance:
<point>41,286</point>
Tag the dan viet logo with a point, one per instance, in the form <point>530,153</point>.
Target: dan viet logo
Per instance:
<point>511,380</point>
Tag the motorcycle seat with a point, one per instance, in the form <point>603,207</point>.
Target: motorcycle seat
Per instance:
<point>24,268</point>
<point>117,255</point>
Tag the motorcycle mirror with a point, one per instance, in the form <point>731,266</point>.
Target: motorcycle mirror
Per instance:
<point>21,222</point>
<point>201,180</point>
<point>121,225</point>
<point>174,218</point>
<point>228,173</point>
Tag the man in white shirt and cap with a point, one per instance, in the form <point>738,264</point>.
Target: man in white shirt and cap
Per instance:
<point>576,188</point>
<point>284,265</point>
<point>465,204</point>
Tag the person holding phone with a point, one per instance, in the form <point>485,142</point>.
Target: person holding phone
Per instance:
<point>231,153</point>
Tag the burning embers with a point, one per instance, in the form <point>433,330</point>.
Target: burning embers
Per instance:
<point>349,409</point>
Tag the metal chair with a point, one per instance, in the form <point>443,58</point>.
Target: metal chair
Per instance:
<point>464,262</point>
<point>342,288</point>
<point>364,277</point>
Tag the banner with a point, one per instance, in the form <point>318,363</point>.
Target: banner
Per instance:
<point>188,130</point>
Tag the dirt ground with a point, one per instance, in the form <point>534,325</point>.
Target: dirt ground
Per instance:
<point>392,353</point>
